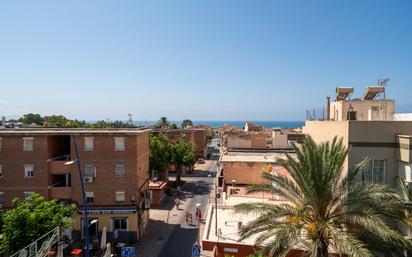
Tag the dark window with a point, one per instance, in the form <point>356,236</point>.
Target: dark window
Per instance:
<point>351,115</point>
<point>120,223</point>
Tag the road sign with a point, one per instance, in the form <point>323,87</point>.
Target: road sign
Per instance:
<point>128,252</point>
<point>195,250</point>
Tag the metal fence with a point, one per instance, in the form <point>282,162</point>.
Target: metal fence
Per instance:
<point>40,247</point>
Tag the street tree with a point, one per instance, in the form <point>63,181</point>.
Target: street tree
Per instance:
<point>32,118</point>
<point>326,210</point>
<point>159,157</point>
<point>163,122</point>
<point>187,123</point>
<point>31,218</point>
<point>182,153</point>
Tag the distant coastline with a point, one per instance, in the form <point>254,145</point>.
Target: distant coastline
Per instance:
<point>238,123</point>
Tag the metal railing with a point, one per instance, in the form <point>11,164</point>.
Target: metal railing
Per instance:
<point>40,247</point>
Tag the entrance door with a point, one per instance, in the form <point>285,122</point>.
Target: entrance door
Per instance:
<point>92,226</point>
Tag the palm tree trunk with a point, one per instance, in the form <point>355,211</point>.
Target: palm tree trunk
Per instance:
<point>178,174</point>
<point>323,250</point>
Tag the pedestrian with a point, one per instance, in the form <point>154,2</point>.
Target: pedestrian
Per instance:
<point>177,203</point>
<point>178,191</point>
<point>190,219</point>
<point>198,214</point>
<point>187,218</point>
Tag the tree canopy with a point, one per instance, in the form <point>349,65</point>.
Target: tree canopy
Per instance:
<point>187,123</point>
<point>182,153</point>
<point>327,210</point>
<point>31,218</point>
<point>32,118</point>
<point>159,156</point>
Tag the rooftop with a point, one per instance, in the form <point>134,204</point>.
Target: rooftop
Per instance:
<point>72,131</point>
<point>252,157</point>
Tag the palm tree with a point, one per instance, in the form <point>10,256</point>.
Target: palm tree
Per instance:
<point>163,122</point>
<point>326,211</point>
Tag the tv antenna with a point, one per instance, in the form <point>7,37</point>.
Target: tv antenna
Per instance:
<point>130,121</point>
<point>383,83</point>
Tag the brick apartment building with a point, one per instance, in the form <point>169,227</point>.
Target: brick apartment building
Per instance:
<point>195,135</point>
<point>114,164</point>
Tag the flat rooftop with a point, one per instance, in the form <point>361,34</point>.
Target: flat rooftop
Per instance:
<point>73,131</point>
<point>252,157</point>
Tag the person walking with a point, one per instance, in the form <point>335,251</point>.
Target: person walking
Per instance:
<point>177,203</point>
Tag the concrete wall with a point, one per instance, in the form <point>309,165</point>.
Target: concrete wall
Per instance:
<point>365,110</point>
<point>244,172</point>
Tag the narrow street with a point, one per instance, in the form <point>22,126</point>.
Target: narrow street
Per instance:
<point>168,235</point>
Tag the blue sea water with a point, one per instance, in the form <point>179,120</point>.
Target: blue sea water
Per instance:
<point>238,123</point>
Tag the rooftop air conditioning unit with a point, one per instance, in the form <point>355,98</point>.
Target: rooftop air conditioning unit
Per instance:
<point>88,179</point>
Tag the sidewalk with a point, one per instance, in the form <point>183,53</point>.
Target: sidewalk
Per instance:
<point>163,221</point>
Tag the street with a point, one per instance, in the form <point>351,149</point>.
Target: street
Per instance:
<point>168,235</point>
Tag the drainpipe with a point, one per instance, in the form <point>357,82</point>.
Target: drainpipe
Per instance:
<point>328,108</point>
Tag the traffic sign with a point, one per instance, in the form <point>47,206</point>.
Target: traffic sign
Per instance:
<point>195,250</point>
<point>128,252</point>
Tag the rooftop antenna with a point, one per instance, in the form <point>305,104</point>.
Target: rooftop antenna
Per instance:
<point>383,83</point>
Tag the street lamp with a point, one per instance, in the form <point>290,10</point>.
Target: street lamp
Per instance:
<point>86,220</point>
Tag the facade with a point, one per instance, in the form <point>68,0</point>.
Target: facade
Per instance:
<point>195,135</point>
<point>114,164</point>
<point>248,168</point>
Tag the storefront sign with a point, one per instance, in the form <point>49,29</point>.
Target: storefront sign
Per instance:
<point>103,211</point>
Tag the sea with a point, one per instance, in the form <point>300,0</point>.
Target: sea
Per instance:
<point>238,123</point>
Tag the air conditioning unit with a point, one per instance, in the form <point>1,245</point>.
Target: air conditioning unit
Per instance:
<point>88,179</point>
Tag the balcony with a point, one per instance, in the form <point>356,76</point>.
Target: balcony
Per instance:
<point>60,193</point>
<point>58,167</point>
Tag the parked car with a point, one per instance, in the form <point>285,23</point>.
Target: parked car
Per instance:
<point>200,161</point>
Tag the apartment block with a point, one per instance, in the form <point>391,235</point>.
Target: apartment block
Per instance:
<point>197,136</point>
<point>114,165</point>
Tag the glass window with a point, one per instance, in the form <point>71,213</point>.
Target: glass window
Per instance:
<point>89,197</point>
<point>376,171</point>
<point>120,223</point>
<point>28,171</point>
<point>119,144</point>
<point>89,170</point>
<point>27,144</point>
<point>1,171</point>
<point>120,196</point>
<point>120,170</point>
<point>1,198</point>
<point>88,143</point>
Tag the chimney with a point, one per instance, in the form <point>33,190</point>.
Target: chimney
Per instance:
<point>328,108</point>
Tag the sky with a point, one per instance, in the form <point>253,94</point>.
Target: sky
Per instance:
<point>198,59</point>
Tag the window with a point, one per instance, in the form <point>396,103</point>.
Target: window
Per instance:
<point>27,144</point>
<point>1,171</point>
<point>89,197</point>
<point>1,198</point>
<point>120,223</point>
<point>28,171</point>
<point>120,196</point>
<point>27,194</point>
<point>120,170</point>
<point>376,171</point>
<point>88,143</point>
<point>119,144</point>
<point>351,115</point>
<point>90,171</point>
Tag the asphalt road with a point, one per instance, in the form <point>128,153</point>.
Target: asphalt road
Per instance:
<point>197,190</point>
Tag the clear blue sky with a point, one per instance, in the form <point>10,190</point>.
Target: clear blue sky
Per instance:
<point>203,60</point>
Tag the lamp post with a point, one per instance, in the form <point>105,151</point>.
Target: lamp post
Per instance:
<point>86,220</point>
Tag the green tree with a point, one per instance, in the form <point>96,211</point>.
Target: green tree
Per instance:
<point>159,157</point>
<point>55,121</point>
<point>163,123</point>
<point>31,218</point>
<point>32,118</point>
<point>187,123</point>
<point>173,126</point>
<point>182,153</point>
<point>326,209</point>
